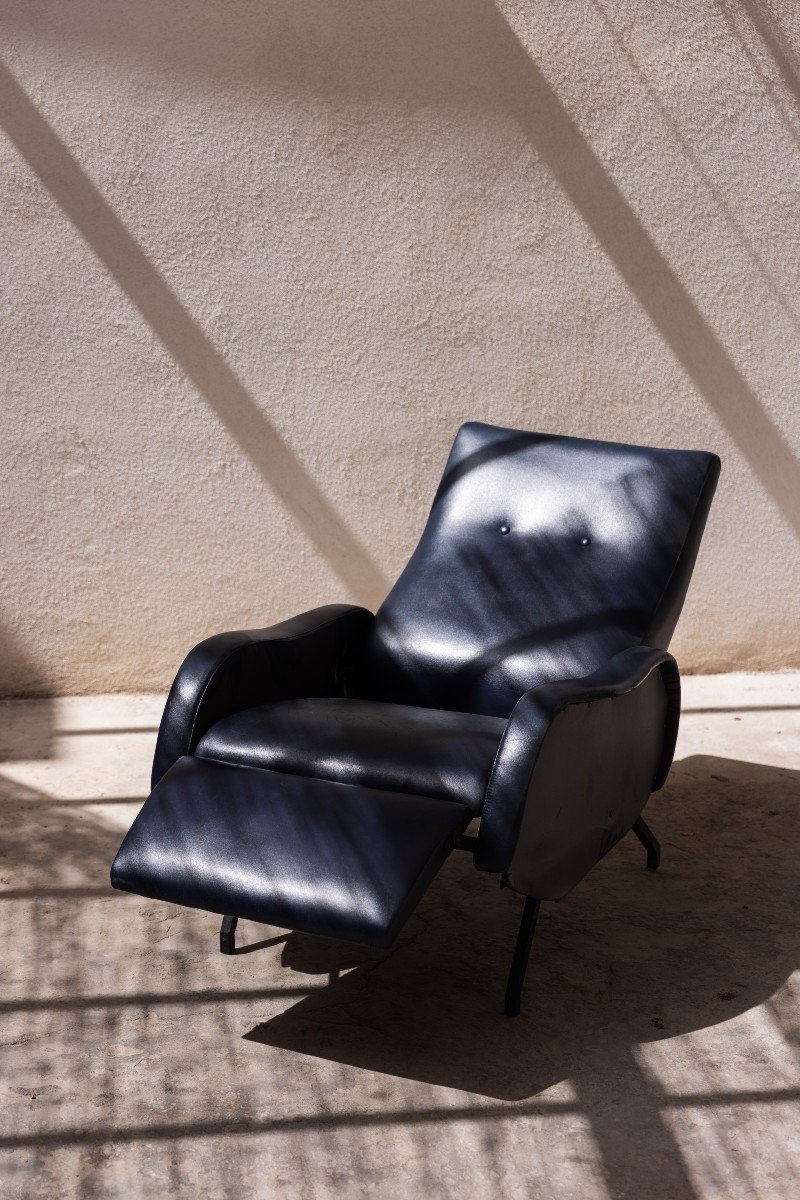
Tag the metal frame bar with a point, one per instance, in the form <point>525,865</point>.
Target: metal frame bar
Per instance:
<point>650,842</point>
<point>227,935</point>
<point>522,950</point>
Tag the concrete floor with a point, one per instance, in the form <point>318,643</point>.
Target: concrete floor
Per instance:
<point>656,1055</point>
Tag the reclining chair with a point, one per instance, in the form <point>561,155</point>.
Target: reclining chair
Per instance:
<point>315,775</point>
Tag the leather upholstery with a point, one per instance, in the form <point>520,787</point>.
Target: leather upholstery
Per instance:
<point>303,656</point>
<point>615,734</point>
<point>393,747</point>
<point>299,853</point>
<point>600,758</point>
<point>518,669</point>
<point>600,543</point>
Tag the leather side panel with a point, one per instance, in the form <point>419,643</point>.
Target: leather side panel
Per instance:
<point>592,778</point>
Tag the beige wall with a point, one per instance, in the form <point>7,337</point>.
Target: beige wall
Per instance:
<point>259,261</point>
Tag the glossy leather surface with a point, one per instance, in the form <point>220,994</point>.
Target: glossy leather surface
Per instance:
<point>600,760</point>
<point>304,656</point>
<point>392,747</point>
<point>599,543</point>
<point>298,853</point>
<point>615,734</point>
<point>544,590</point>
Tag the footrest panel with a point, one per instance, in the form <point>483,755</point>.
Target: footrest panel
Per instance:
<point>307,854</point>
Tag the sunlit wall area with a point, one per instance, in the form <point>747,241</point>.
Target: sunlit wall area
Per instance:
<point>261,259</point>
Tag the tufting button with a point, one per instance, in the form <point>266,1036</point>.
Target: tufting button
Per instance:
<point>505,529</point>
<point>586,541</point>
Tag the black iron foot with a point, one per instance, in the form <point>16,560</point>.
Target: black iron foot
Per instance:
<point>519,963</point>
<point>650,842</point>
<point>227,935</point>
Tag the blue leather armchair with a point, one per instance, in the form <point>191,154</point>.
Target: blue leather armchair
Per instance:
<point>315,775</point>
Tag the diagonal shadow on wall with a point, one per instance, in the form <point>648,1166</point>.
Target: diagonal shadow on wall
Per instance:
<point>121,255</point>
<point>440,53</point>
<point>484,63</point>
<point>716,194</point>
<point>768,28</point>
<point>534,104</point>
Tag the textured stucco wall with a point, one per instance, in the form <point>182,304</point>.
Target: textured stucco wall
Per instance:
<point>260,259</point>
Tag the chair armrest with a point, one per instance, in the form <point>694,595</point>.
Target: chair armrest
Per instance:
<point>224,674</point>
<point>576,765</point>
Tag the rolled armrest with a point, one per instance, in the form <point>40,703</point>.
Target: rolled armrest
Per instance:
<point>577,762</point>
<point>224,674</point>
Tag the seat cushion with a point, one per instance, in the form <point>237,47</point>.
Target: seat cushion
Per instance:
<point>299,853</point>
<point>424,751</point>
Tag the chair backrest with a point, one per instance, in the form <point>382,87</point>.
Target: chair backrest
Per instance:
<point>542,557</point>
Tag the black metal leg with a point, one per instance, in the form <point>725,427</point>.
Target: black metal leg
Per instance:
<point>227,935</point>
<point>519,963</point>
<point>650,842</point>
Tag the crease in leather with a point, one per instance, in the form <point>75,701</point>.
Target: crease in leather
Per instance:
<point>389,747</point>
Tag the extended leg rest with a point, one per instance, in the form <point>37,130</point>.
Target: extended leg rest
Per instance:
<point>329,858</point>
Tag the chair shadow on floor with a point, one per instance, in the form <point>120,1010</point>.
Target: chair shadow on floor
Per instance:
<point>631,956</point>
